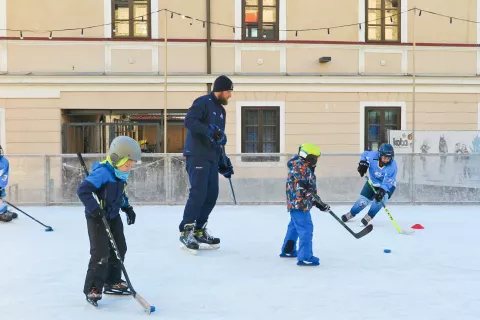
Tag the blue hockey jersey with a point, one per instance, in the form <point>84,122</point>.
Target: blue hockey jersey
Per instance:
<point>4,170</point>
<point>385,177</point>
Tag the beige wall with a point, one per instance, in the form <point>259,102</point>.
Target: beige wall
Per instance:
<point>435,29</point>
<point>54,14</point>
<point>83,54</point>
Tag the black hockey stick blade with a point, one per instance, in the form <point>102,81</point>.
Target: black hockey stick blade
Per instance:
<point>145,305</point>
<point>357,235</point>
<point>48,228</point>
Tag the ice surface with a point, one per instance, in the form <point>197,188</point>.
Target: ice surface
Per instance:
<point>433,274</point>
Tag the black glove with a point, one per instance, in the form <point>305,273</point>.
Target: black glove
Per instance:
<point>130,214</point>
<point>362,167</point>
<point>379,195</point>
<point>99,213</point>
<point>225,168</point>
<point>322,206</point>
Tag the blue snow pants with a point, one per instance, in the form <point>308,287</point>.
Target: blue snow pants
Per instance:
<point>300,227</point>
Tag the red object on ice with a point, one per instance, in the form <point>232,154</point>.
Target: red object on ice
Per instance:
<point>417,226</point>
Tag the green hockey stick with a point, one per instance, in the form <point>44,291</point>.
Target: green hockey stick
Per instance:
<point>395,224</point>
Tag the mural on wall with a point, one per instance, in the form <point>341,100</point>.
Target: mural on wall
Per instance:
<point>450,158</point>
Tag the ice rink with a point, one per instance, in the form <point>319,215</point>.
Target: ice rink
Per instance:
<point>432,274</point>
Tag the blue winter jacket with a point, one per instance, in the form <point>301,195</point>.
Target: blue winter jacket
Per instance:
<point>385,177</point>
<point>205,110</point>
<point>109,189</point>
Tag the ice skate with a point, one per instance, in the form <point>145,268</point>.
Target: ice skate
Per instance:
<point>187,239</point>
<point>6,216</point>
<point>347,217</point>
<point>366,220</point>
<point>14,214</point>
<point>310,262</point>
<point>205,240</point>
<point>288,255</point>
<point>289,250</point>
<point>93,296</point>
<point>120,288</point>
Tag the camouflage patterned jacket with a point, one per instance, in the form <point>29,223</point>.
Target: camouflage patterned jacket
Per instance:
<point>301,185</point>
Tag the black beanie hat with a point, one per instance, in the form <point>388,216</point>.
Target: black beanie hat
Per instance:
<point>222,83</point>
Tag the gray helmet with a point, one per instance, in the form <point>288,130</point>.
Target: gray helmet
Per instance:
<point>122,147</point>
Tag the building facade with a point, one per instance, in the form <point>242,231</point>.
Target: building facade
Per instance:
<point>370,66</point>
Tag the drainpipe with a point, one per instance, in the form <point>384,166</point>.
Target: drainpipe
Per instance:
<point>209,45</point>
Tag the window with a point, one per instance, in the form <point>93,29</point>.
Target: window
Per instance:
<point>383,20</point>
<point>131,19</point>
<point>260,19</point>
<point>260,132</point>
<point>377,123</point>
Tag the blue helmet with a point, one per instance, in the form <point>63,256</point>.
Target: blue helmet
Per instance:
<point>386,150</point>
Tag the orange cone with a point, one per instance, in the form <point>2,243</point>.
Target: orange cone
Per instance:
<point>417,226</point>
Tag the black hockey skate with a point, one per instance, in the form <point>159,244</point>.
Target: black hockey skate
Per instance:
<point>366,220</point>
<point>14,214</point>
<point>6,216</point>
<point>347,217</point>
<point>206,240</point>
<point>120,288</point>
<point>93,296</point>
<point>188,240</point>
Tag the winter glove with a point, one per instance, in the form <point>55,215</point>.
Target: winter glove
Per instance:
<point>225,168</point>
<point>322,206</point>
<point>130,214</point>
<point>216,135</point>
<point>379,195</point>
<point>99,213</point>
<point>3,194</point>
<point>362,167</point>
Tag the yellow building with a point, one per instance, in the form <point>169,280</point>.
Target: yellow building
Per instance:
<point>326,86</point>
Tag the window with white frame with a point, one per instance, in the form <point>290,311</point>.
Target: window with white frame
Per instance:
<point>131,19</point>
<point>260,132</point>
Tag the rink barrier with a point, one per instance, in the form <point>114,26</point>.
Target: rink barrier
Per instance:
<point>259,179</point>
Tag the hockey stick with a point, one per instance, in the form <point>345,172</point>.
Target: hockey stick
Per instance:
<point>357,235</point>
<point>146,306</point>
<point>47,228</point>
<point>229,179</point>
<point>399,230</point>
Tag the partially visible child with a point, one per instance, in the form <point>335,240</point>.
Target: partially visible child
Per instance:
<point>301,192</point>
<point>5,214</point>
<point>108,181</point>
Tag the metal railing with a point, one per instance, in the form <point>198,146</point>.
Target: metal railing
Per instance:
<point>258,179</point>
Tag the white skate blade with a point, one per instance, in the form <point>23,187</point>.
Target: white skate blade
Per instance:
<point>192,251</point>
<point>206,246</point>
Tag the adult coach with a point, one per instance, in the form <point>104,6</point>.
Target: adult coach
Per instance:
<point>205,121</point>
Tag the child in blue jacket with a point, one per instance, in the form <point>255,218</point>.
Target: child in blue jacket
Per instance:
<point>108,181</point>
<point>383,172</point>
<point>301,189</point>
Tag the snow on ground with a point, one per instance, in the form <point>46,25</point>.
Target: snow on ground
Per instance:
<point>433,274</point>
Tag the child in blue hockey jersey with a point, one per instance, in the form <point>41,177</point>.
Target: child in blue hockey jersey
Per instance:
<point>383,173</point>
<point>5,215</point>
<point>108,181</point>
<point>301,189</point>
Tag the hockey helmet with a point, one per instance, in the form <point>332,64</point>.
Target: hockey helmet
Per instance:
<point>310,152</point>
<point>386,150</point>
<point>122,149</point>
